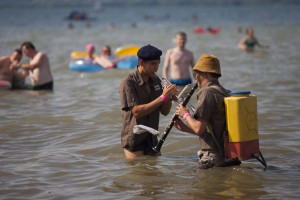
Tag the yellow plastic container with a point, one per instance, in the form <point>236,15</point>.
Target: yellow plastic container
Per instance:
<point>241,116</point>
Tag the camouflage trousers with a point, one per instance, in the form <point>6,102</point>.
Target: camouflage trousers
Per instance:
<point>209,159</point>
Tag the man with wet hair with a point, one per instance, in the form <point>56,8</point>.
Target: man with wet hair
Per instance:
<point>38,68</point>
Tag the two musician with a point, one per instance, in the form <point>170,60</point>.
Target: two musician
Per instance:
<point>143,98</point>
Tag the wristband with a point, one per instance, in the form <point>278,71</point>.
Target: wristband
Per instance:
<point>164,98</point>
<point>186,115</point>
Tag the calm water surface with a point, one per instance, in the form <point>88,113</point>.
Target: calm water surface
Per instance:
<point>66,144</point>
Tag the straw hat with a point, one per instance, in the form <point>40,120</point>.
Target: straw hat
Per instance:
<point>208,63</point>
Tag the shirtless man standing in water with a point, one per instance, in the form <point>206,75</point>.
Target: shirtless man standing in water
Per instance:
<point>7,63</point>
<point>38,67</point>
<point>179,60</point>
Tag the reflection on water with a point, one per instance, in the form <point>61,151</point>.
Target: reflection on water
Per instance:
<point>66,144</point>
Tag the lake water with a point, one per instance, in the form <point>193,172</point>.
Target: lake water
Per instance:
<point>66,144</point>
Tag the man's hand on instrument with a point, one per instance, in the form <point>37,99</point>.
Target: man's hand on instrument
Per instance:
<point>181,110</point>
<point>179,124</point>
<point>170,91</point>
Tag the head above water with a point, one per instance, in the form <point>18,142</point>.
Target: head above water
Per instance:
<point>106,50</point>
<point>249,31</point>
<point>16,55</point>
<point>208,63</point>
<point>90,50</point>
<point>90,47</point>
<point>28,49</point>
<point>181,34</point>
<point>181,39</point>
<point>148,52</point>
<point>18,51</point>
<point>28,45</point>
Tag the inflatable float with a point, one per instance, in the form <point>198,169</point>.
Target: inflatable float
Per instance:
<point>130,60</point>
<point>76,15</point>
<point>127,51</point>
<point>80,64</point>
<point>5,85</point>
<point>128,63</point>
<point>209,30</point>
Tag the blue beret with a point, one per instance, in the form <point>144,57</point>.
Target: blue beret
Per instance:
<point>149,52</point>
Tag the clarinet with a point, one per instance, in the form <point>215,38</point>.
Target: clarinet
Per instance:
<point>174,118</point>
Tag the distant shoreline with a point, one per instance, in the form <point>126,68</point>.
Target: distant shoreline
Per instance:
<point>104,3</point>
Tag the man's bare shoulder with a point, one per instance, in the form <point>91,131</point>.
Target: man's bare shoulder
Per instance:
<point>169,51</point>
<point>188,52</point>
<point>41,54</point>
<point>4,59</point>
<point>40,57</point>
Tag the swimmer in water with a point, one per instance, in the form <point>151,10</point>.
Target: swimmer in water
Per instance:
<point>90,54</point>
<point>107,59</point>
<point>249,42</point>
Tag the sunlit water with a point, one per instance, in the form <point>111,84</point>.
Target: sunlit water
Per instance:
<point>66,144</point>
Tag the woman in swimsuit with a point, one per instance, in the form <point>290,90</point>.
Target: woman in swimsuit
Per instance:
<point>249,42</point>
